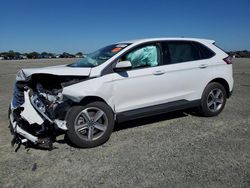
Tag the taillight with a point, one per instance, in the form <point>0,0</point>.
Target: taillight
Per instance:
<point>228,60</point>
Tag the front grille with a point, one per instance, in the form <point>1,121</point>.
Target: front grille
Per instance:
<point>18,95</point>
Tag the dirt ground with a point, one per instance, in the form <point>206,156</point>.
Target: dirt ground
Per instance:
<point>175,149</point>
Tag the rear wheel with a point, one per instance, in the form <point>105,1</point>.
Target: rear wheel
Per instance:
<point>90,125</point>
<point>213,99</point>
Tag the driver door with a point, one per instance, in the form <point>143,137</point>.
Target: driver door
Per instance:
<point>141,86</point>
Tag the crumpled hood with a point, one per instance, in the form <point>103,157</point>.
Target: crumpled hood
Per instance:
<point>60,70</point>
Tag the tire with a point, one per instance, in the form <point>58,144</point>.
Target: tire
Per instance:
<point>213,100</point>
<point>90,125</point>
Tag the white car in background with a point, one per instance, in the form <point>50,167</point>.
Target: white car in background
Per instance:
<point>119,82</point>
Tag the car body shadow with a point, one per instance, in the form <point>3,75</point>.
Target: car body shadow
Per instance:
<point>137,123</point>
<point>149,120</point>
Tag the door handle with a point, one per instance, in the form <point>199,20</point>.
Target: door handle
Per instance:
<point>159,72</point>
<point>203,66</point>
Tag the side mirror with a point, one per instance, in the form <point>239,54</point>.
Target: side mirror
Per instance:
<point>122,66</point>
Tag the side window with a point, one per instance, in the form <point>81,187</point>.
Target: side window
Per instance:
<point>181,51</point>
<point>146,56</point>
<point>206,53</point>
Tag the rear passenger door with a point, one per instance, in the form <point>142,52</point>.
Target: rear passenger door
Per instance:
<point>186,71</point>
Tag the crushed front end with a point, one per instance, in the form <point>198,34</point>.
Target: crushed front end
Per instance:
<point>38,108</point>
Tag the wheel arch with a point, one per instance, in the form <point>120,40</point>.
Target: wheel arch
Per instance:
<point>89,99</point>
<point>85,101</point>
<point>223,82</point>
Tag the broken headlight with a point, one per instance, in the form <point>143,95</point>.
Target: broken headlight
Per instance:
<point>38,103</point>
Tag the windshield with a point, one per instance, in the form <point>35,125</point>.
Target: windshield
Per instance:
<point>100,56</point>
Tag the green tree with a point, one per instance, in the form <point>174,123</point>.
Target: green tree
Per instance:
<point>33,55</point>
<point>79,54</point>
<point>11,54</point>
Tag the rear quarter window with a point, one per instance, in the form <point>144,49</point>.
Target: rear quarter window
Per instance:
<point>205,52</point>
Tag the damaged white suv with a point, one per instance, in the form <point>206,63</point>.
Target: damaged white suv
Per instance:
<point>119,82</point>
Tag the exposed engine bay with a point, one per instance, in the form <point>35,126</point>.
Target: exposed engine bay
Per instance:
<point>38,109</point>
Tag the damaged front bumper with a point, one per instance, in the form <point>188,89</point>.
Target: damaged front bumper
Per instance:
<point>29,122</point>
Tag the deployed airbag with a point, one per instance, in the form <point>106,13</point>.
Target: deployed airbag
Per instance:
<point>147,56</point>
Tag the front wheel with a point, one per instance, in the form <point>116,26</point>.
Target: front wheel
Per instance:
<point>213,100</point>
<point>90,125</point>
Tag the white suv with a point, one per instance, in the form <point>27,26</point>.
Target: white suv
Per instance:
<point>119,82</point>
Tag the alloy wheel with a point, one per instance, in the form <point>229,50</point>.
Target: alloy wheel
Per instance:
<point>215,100</point>
<point>91,123</point>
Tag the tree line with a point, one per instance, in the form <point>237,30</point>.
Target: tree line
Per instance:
<point>10,55</point>
<point>239,54</point>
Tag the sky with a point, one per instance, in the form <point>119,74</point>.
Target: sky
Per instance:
<point>86,25</point>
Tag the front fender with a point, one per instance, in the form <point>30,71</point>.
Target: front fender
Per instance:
<point>101,87</point>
